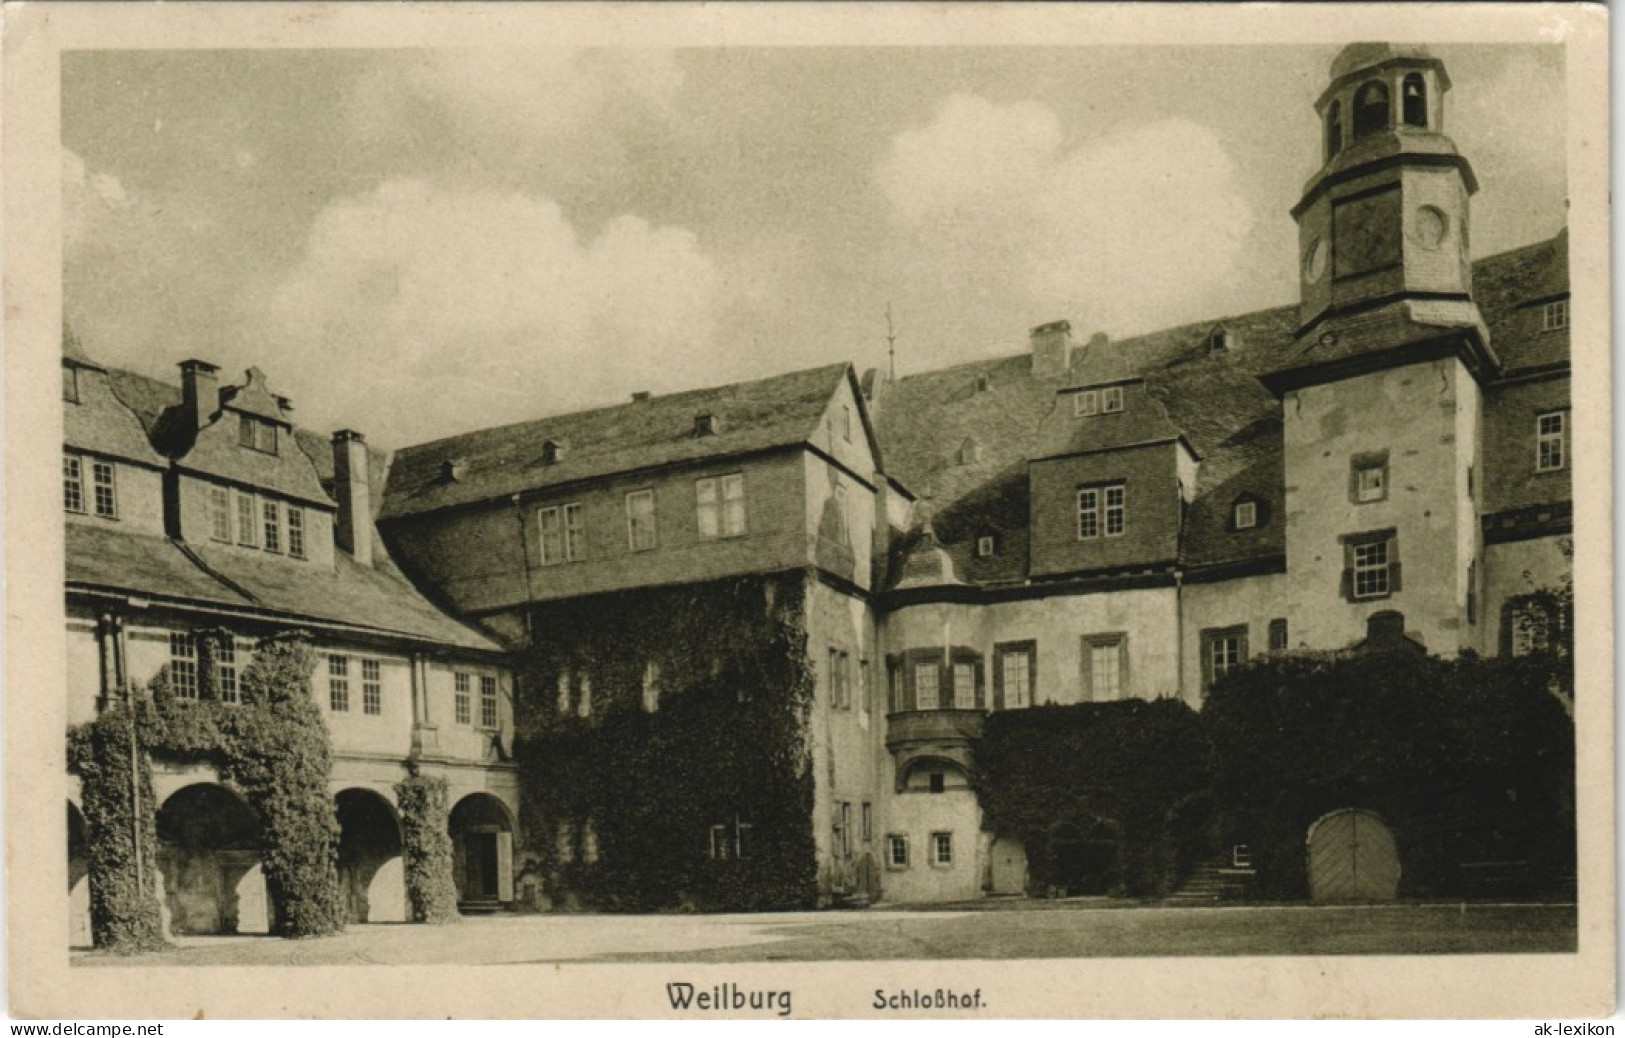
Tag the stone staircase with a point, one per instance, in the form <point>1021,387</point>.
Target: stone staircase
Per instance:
<point>1213,880</point>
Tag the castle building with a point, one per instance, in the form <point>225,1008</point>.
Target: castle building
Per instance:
<point>1082,522</point>
<point>200,520</point>
<point>742,640</point>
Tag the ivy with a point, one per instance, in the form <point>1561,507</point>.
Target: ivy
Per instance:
<point>1126,773</point>
<point>1466,760</point>
<point>426,849</point>
<point>726,744</point>
<point>123,858</point>
<point>272,745</point>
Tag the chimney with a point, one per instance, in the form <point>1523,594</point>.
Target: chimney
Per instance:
<point>354,494</point>
<point>200,391</point>
<point>1052,348</point>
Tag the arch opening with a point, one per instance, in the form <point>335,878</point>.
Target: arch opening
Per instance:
<point>1352,857</point>
<point>1414,100</point>
<point>482,851</point>
<point>371,869</point>
<point>1370,109</point>
<point>209,844</point>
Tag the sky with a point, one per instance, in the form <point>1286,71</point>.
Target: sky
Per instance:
<point>418,243</point>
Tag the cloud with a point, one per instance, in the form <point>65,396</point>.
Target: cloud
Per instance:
<point>460,308</point>
<point>1134,229</point>
<point>517,108</point>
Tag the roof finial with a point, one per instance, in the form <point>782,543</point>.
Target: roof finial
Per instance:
<point>891,347</point>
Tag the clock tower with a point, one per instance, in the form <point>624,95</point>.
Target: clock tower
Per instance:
<point>1384,222</point>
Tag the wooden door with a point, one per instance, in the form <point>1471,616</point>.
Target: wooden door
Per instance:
<point>1352,857</point>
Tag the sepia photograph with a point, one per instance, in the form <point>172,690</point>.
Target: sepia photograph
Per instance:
<point>698,511</point>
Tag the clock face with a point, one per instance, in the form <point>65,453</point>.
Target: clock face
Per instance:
<point>1431,227</point>
<point>1314,261</point>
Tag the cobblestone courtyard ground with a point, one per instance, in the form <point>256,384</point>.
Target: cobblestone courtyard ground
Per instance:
<point>1029,930</point>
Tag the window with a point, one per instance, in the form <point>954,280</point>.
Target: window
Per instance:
<point>640,520</point>
<point>986,546</point>
<point>461,700</point>
<point>372,687</point>
<point>1414,100</point>
<point>1278,638</point>
<point>247,520</point>
<point>1014,674</point>
<point>564,842</point>
<point>338,683</point>
<point>730,842</point>
<point>841,524</point>
<point>256,434</point>
<point>942,849</point>
<point>272,511</point>
<point>896,852</point>
<point>296,531</point>
<point>868,822</point>
<point>1086,403</point>
<point>1114,511</point>
<point>1368,477</point>
<point>101,473</point>
<point>73,484</point>
<point>1532,623</point>
<point>1371,565</point>
<point>70,384</point>
<point>843,831</point>
<point>651,687</point>
<point>864,694</point>
<point>1246,515</point>
<point>1088,513</point>
<point>1223,650</point>
<point>1334,129</point>
<point>846,423</point>
<point>1551,442</point>
<point>925,686</point>
<point>183,664</point>
<point>589,843</point>
<point>1370,109</point>
<point>584,697</point>
<point>720,505</point>
<point>1103,667</point>
<point>1554,316</point>
<point>840,680</point>
<point>964,685</point>
<point>225,669</point>
<point>1111,400</point>
<point>220,513</point>
<point>488,701</point>
<point>560,533</point>
<point>937,782</point>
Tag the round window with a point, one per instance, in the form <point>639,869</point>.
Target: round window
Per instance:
<point>1432,225</point>
<point>1314,261</point>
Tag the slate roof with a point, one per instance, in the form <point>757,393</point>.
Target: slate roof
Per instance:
<point>1213,397</point>
<point>378,598</point>
<point>496,463</point>
<point>100,422</point>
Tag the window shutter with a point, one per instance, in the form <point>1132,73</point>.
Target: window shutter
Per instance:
<point>998,680</point>
<point>1346,586</point>
<point>1393,565</point>
<point>979,676</point>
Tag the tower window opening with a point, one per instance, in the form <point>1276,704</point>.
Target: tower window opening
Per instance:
<point>1414,94</point>
<point>1334,129</point>
<point>1370,109</point>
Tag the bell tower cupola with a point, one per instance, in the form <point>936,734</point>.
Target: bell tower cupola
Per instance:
<point>1384,220</point>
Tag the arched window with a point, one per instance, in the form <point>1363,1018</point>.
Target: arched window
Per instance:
<point>1370,109</point>
<point>1415,95</point>
<point>1334,129</point>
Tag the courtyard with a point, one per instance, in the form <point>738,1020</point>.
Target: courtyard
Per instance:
<point>1083,928</point>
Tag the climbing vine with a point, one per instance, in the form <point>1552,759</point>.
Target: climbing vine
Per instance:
<point>1118,780</point>
<point>1466,760</point>
<point>426,849</point>
<point>705,800</point>
<point>272,745</point>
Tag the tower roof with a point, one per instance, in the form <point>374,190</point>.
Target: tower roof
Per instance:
<point>1357,58</point>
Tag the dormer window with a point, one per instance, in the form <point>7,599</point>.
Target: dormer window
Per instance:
<point>706,424</point>
<point>453,469</point>
<point>1111,400</point>
<point>1218,340</point>
<point>1554,316</point>
<point>970,452</point>
<point>1370,109</point>
<point>256,434</point>
<point>987,545</point>
<point>1246,515</point>
<point>1414,100</point>
<point>552,451</point>
<point>1086,404</point>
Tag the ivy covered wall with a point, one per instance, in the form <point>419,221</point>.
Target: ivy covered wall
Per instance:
<point>1467,761</point>
<point>662,742</point>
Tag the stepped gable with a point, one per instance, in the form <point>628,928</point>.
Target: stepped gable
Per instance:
<point>496,463</point>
